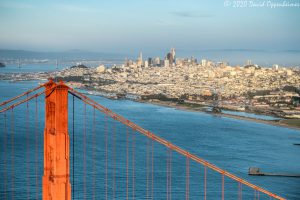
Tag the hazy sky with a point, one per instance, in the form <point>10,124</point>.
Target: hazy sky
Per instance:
<point>148,25</point>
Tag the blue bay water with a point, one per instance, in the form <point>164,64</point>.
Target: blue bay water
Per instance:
<point>231,144</point>
<point>51,66</point>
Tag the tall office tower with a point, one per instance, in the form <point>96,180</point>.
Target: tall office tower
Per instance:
<point>166,63</point>
<point>170,59</point>
<point>141,56</point>
<point>249,62</point>
<point>150,62</point>
<point>203,62</point>
<point>146,64</point>
<point>157,61</point>
<point>140,60</point>
<point>173,53</point>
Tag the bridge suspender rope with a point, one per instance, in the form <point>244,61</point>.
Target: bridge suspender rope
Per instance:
<point>36,149</point>
<point>241,190</point>
<point>56,108</point>
<point>94,153</point>
<point>167,175</point>
<point>84,153</point>
<point>73,145</point>
<point>133,165</point>
<point>27,148</point>
<point>187,178</point>
<point>106,158</point>
<point>170,175</point>
<point>223,192</point>
<point>166,143</point>
<point>205,174</point>
<point>5,156</point>
<point>147,168</point>
<point>114,159</point>
<point>12,154</point>
<point>152,168</point>
<point>127,162</point>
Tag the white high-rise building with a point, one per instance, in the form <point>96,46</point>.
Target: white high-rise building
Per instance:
<point>140,60</point>
<point>146,64</point>
<point>166,63</point>
<point>249,62</point>
<point>204,63</point>
<point>173,53</point>
<point>141,56</point>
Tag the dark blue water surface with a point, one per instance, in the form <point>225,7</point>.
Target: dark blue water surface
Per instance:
<point>231,144</point>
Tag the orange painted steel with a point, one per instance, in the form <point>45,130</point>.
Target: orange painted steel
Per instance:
<point>21,95</point>
<point>24,100</point>
<point>56,179</point>
<point>166,143</point>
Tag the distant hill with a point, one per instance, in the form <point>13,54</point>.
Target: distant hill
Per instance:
<point>67,55</point>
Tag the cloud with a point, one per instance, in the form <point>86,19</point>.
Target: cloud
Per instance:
<point>190,14</point>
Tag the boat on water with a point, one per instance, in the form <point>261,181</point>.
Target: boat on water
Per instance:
<point>2,64</point>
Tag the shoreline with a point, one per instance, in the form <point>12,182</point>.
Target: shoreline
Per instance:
<point>279,123</point>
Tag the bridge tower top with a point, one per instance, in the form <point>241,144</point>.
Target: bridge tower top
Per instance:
<point>56,179</point>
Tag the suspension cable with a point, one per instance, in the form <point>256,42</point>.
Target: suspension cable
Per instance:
<point>12,152</point>
<point>170,176</point>
<point>21,95</point>
<point>73,144</point>
<point>84,153</point>
<point>205,172</point>
<point>240,191</point>
<point>147,169</point>
<point>36,148</point>
<point>27,99</point>
<point>127,163</point>
<point>166,143</point>
<point>223,192</point>
<point>5,146</point>
<point>114,158</point>
<point>106,158</point>
<point>133,165</point>
<point>27,148</point>
<point>152,173</point>
<point>187,178</point>
<point>167,176</point>
<point>94,152</point>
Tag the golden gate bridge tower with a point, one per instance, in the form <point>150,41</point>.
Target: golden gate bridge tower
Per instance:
<point>56,184</point>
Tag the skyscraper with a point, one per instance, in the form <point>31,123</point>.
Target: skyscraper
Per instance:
<point>171,57</point>
<point>141,56</point>
<point>140,60</point>
<point>173,53</point>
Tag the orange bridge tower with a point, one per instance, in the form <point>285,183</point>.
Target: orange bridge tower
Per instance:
<point>56,179</point>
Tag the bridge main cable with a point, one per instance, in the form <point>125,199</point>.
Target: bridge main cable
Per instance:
<point>21,95</point>
<point>24,100</point>
<point>167,143</point>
